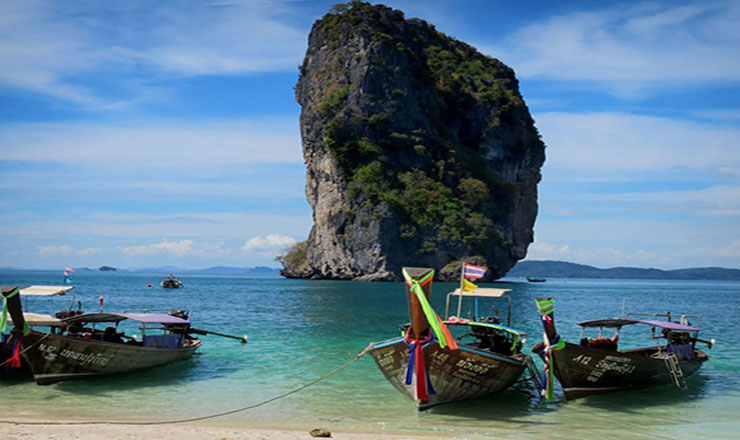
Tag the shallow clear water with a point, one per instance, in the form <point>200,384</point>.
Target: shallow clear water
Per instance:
<point>299,330</point>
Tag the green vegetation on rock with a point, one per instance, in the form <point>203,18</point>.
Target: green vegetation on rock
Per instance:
<point>430,137</point>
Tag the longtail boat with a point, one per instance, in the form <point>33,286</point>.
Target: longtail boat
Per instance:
<point>11,362</point>
<point>81,349</point>
<point>76,347</point>
<point>597,366</point>
<point>430,366</point>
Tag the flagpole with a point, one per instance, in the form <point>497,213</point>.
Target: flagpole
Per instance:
<point>459,298</point>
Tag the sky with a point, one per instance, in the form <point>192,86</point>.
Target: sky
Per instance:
<point>150,133</point>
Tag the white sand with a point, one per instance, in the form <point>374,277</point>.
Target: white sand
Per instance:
<point>175,432</point>
<point>178,432</point>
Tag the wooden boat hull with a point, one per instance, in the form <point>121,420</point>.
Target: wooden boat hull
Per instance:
<point>585,371</point>
<point>455,375</point>
<point>54,358</point>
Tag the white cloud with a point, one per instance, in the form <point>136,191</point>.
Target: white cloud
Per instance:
<point>89,251</point>
<point>642,240</point>
<point>715,201</point>
<point>540,250</point>
<point>727,115</point>
<point>45,45</point>
<point>271,244</point>
<point>732,250</point>
<point>730,171</point>
<point>163,145</point>
<point>616,142</point>
<point>64,250</point>
<point>53,250</point>
<point>181,248</point>
<point>630,46</point>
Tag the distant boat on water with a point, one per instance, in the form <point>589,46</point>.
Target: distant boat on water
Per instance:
<point>536,279</point>
<point>171,283</point>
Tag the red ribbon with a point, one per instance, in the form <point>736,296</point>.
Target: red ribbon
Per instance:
<point>421,375</point>
<point>15,360</point>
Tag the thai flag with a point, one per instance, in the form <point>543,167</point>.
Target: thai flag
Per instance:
<point>474,272</point>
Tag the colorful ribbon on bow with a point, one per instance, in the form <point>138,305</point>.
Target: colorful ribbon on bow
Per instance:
<point>439,332</point>
<point>416,363</point>
<point>4,315</point>
<point>435,322</point>
<point>15,360</point>
<point>546,307</point>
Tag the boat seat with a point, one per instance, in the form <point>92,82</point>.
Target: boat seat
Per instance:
<point>600,342</point>
<point>110,335</point>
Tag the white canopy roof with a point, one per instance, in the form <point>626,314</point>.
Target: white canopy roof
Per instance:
<point>37,319</point>
<point>487,292</point>
<point>45,290</point>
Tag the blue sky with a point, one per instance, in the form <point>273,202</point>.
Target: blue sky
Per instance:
<point>143,133</point>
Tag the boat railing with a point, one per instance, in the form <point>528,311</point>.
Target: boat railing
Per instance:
<point>483,293</point>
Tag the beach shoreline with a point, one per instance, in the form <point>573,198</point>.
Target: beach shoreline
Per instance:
<point>37,429</point>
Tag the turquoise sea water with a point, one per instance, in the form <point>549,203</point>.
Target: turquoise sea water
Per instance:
<point>299,330</point>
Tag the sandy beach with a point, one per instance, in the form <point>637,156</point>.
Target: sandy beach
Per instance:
<point>180,432</point>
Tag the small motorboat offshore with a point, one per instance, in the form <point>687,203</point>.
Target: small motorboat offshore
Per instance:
<point>171,283</point>
<point>596,366</point>
<point>430,366</point>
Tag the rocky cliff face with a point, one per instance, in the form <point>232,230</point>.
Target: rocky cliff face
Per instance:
<point>419,151</point>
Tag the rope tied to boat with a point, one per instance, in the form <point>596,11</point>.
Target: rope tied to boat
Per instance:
<point>197,419</point>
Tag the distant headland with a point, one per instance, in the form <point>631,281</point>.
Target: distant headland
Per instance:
<point>563,269</point>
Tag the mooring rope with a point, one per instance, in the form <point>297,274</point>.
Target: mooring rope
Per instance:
<point>26,349</point>
<point>196,419</point>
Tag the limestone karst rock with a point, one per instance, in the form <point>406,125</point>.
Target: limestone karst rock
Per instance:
<point>419,150</point>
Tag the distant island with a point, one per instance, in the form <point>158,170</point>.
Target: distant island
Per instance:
<point>563,269</point>
<point>257,271</point>
<point>107,269</point>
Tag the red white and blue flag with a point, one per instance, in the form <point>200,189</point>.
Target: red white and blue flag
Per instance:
<point>68,275</point>
<point>474,272</point>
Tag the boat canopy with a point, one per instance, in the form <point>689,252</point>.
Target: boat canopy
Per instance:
<point>38,319</point>
<point>146,318</point>
<point>45,290</point>
<point>619,322</point>
<point>481,292</point>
